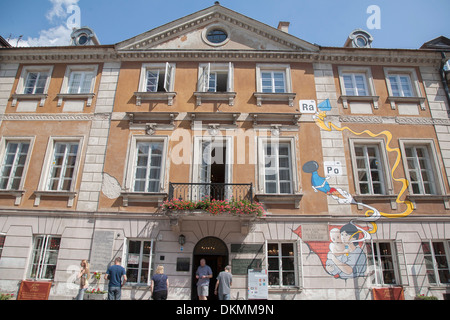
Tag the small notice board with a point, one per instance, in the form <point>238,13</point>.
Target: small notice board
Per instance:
<point>258,284</point>
<point>34,290</point>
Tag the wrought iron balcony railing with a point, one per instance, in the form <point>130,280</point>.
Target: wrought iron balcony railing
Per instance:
<point>212,191</point>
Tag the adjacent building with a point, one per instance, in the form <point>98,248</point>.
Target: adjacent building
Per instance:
<point>217,136</point>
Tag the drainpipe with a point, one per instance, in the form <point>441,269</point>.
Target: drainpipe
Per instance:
<point>444,80</point>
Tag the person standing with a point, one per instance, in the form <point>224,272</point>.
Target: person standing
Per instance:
<point>203,274</point>
<point>223,284</point>
<point>84,276</point>
<point>115,274</point>
<point>159,285</point>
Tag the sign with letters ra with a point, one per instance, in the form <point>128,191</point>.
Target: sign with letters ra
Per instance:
<point>307,106</point>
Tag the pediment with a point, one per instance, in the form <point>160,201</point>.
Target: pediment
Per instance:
<point>189,33</point>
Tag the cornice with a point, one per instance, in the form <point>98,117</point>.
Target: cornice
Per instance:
<point>337,56</point>
<point>54,117</point>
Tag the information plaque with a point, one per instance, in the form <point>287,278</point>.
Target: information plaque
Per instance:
<point>258,285</point>
<point>34,290</point>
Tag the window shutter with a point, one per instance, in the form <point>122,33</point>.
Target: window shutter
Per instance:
<point>203,82</point>
<point>150,263</point>
<point>230,77</point>
<point>124,252</point>
<point>300,263</point>
<point>401,263</point>
<point>168,77</point>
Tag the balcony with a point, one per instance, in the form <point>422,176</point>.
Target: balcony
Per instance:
<point>213,191</point>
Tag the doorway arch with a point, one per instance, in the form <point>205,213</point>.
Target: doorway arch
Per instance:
<point>215,252</point>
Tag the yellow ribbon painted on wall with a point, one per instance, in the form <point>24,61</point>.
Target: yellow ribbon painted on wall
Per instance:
<point>320,121</point>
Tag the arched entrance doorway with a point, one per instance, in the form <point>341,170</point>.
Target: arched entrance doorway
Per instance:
<point>215,252</point>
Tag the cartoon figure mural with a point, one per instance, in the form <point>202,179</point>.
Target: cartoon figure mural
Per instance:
<point>343,255</point>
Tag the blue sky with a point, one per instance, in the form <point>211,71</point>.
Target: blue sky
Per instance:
<point>403,23</point>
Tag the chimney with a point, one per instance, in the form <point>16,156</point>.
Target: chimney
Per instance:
<point>284,26</point>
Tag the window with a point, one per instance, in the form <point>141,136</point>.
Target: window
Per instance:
<point>436,256</point>
<point>81,82</point>
<point>420,170</point>
<point>62,168</point>
<point>144,180</point>
<point>44,257</point>
<point>273,83</point>
<point>216,36</point>
<point>147,173</point>
<point>380,255</point>
<point>13,165</point>
<point>79,79</point>
<point>278,168</point>
<point>281,264</point>
<point>401,85</point>
<point>357,88</point>
<point>355,84</point>
<point>369,169</point>
<point>139,261</point>
<point>404,87</point>
<point>215,77</point>
<point>35,82</point>
<point>78,83</point>
<point>215,82</point>
<point>156,83</point>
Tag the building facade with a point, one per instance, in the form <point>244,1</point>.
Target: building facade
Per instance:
<point>217,136</point>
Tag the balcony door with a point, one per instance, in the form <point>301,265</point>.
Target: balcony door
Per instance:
<point>212,167</point>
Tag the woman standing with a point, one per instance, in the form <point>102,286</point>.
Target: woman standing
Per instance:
<point>84,276</point>
<point>159,285</point>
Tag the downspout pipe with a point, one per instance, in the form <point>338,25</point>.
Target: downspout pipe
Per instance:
<point>444,80</point>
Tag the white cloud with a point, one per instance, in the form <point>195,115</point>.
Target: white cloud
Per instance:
<point>55,36</point>
<point>59,8</point>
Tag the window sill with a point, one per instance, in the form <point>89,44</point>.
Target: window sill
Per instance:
<point>70,195</point>
<point>65,96</point>
<point>346,99</point>
<point>25,96</point>
<point>414,198</point>
<point>154,96</point>
<point>274,97</point>
<point>268,198</point>
<point>419,100</point>
<point>215,96</point>
<point>376,197</point>
<point>14,193</point>
<point>147,197</point>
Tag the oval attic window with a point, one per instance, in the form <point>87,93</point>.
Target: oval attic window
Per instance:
<point>216,36</point>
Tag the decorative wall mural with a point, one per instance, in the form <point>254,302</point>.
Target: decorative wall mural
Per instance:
<point>343,256</point>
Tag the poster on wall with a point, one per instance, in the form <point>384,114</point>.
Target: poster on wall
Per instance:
<point>258,285</point>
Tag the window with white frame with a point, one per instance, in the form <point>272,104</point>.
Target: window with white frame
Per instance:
<point>148,165</point>
<point>215,77</point>
<point>79,79</point>
<point>13,164</point>
<point>44,257</point>
<point>34,80</point>
<point>381,257</point>
<point>400,85</point>
<point>420,168</point>
<point>277,168</point>
<point>273,78</point>
<point>139,257</point>
<point>281,264</point>
<point>33,83</point>
<point>157,77</point>
<point>355,84</point>
<point>437,257</point>
<point>369,169</point>
<point>274,84</point>
<point>62,167</point>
